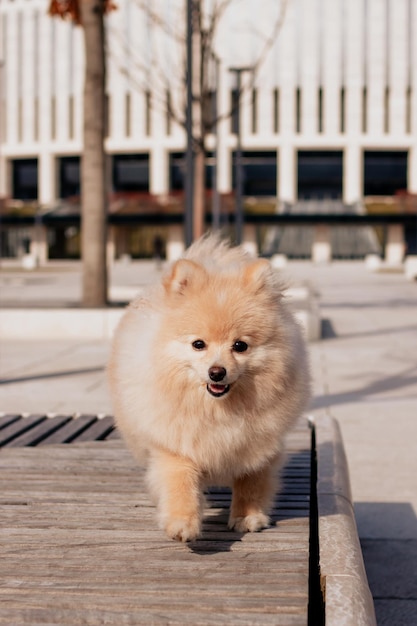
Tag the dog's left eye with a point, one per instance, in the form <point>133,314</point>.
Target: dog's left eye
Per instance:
<point>199,344</point>
<point>240,346</point>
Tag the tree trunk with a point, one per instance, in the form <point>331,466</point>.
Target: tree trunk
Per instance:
<point>199,156</point>
<point>199,194</point>
<point>93,162</point>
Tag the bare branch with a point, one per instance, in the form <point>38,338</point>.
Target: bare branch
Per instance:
<point>164,81</point>
<point>160,22</point>
<point>273,36</point>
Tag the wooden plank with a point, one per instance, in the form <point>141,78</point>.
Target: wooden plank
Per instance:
<point>5,420</point>
<point>73,429</point>
<point>19,427</point>
<point>81,545</point>
<point>93,429</point>
<point>40,432</point>
<point>107,613</point>
<point>98,431</point>
<point>115,434</point>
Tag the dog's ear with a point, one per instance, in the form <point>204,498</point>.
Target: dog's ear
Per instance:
<point>260,275</point>
<point>258,272</point>
<point>183,275</point>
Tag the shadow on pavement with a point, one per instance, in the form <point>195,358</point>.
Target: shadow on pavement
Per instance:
<point>388,533</point>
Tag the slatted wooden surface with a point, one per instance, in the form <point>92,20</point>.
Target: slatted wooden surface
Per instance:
<point>35,430</point>
<point>80,546</point>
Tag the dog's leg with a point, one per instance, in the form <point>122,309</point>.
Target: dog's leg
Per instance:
<point>175,484</point>
<point>252,498</point>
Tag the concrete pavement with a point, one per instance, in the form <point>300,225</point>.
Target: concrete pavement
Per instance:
<point>365,375</point>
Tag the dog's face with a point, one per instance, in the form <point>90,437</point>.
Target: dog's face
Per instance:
<point>218,362</point>
<point>218,329</point>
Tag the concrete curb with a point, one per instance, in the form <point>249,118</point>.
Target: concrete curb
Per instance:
<point>98,324</point>
<point>347,597</point>
<point>51,324</point>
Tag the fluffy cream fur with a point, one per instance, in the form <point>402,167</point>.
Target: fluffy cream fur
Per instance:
<point>208,372</point>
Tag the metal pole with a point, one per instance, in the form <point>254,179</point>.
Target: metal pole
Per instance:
<point>239,217</point>
<point>216,197</point>
<point>239,172</point>
<point>189,159</point>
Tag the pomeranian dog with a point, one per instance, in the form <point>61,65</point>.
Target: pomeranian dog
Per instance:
<point>208,372</point>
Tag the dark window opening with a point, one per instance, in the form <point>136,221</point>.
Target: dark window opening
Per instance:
<point>254,111</point>
<point>259,173</point>
<point>320,110</point>
<point>342,110</point>
<point>408,100</point>
<point>25,179</point>
<point>128,115</point>
<point>386,109</point>
<point>364,110</point>
<point>177,171</point>
<point>71,115</point>
<point>210,111</point>
<point>298,110</point>
<point>234,107</point>
<point>130,172</point>
<point>385,172</point>
<point>320,174</point>
<point>276,110</point>
<point>168,119</point>
<point>148,114</point>
<point>69,177</point>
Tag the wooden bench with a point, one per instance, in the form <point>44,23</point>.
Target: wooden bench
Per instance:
<point>80,543</point>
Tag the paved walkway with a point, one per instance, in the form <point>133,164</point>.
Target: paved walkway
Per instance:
<point>365,375</point>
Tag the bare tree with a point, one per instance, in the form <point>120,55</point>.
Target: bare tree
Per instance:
<point>90,14</point>
<point>205,25</point>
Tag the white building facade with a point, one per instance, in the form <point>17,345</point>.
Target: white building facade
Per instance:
<point>336,86</point>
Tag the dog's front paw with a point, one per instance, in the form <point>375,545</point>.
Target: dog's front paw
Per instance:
<point>183,529</point>
<point>250,523</point>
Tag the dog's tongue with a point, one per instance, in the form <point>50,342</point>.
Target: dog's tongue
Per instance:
<point>217,388</point>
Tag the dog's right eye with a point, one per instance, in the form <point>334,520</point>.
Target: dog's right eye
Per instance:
<point>198,344</point>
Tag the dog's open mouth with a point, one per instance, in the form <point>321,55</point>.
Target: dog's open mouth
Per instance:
<point>217,390</point>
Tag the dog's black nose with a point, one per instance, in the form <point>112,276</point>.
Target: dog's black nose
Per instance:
<point>217,373</point>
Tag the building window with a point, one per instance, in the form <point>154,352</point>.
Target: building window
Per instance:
<point>209,170</point>
<point>254,111</point>
<point>53,118</point>
<point>148,114</point>
<point>177,170</point>
<point>25,179</point>
<point>408,105</point>
<point>210,111</point>
<point>276,111</point>
<point>36,118</point>
<point>298,110</point>
<point>69,177</point>
<point>320,174</point>
<point>128,113</point>
<point>234,108</point>
<point>130,172</point>
<point>364,110</point>
<point>385,172</point>
<point>259,173</point>
<point>168,100</point>
<point>386,109</point>
<point>342,110</point>
<point>71,116</point>
<point>320,109</point>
